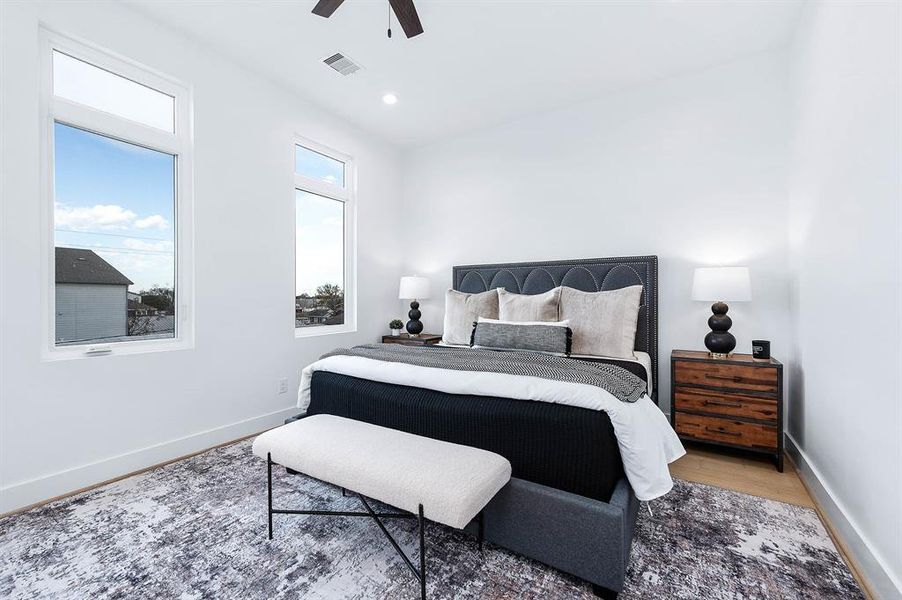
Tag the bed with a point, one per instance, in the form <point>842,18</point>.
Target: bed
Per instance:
<point>569,503</point>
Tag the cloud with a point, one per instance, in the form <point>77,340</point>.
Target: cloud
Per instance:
<point>103,217</point>
<point>146,270</point>
<point>100,216</point>
<point>155,221</point>
<point>158,246</point>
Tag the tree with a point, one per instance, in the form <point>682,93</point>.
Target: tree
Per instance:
<point>161,298</point>
<point>331,296</point>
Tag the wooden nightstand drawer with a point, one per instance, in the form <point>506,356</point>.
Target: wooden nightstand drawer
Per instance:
<point>740,433</point>
<point>725,403</point>
<point>736,377</point>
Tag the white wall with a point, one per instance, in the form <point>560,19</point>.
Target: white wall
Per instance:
<point>690,169</point>
<point>67,424</point>
<point>845,410</point>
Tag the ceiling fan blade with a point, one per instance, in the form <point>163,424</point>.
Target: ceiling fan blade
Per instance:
<point>407,16</point>
<point>325,8</point>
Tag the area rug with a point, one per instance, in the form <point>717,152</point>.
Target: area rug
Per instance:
<point>197,529</point>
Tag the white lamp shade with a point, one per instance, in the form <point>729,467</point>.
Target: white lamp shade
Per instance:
<point>413,288</point>
<point>722,283</point>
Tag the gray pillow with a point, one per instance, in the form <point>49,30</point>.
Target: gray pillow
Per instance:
<point>552,337</point>
<point>462,310</point>
<point>603,323</point>
<point>524,307</point>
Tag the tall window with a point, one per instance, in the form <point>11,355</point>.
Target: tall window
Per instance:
<point>119,188</point>
<point>324,241</point>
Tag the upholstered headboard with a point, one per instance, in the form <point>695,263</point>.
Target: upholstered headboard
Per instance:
<point>589,275</point>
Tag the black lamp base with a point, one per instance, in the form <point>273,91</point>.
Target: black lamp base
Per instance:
<point>719,341</point>
<point>414,325</point>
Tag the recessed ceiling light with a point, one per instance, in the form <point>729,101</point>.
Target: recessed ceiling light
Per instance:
<point>390,99</point>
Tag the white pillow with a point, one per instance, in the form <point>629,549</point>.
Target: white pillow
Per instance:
<point>603,323</point>
<point>526,307</point>
<point>462,310</point>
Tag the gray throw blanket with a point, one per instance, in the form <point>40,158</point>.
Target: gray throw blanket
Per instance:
<point>622,384</point>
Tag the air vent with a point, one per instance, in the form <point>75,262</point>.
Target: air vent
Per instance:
<point>342,64</point>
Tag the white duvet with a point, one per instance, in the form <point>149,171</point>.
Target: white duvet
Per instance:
<point>646,440</point>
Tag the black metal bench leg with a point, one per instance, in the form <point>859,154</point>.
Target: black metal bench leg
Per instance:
<point>269,491</point>
<point>422,524</point>
<point>480,535</point>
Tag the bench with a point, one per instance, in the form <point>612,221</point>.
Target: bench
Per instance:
<point>427,478</point>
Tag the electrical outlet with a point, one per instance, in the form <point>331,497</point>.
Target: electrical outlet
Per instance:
<point>283,386</point>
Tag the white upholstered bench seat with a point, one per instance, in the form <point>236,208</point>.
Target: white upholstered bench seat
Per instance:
<point>453,483</point>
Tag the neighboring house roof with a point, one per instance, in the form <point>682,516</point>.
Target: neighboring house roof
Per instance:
<point>74,265</point>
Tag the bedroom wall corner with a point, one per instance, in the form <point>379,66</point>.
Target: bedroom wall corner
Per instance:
<point>845,234</point>
<point>691,168</point>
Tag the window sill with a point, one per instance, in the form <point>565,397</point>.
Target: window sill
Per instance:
<point>57,353</point>
<point>305,332</point>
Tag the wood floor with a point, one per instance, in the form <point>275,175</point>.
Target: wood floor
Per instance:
<point>746,473</point>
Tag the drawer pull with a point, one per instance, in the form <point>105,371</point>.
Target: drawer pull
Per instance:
<point>715,430</point>
<point>723,403</point>
<point>733,378</point>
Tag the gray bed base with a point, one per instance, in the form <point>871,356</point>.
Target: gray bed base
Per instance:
<point>587,538</point>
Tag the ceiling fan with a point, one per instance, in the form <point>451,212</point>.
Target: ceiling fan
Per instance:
<point>404,10</point>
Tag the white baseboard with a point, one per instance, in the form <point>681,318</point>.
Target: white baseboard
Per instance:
<point>25,493</point>
<point>870,565</point>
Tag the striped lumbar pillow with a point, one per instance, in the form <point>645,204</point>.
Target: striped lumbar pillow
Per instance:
<point>552,337</point>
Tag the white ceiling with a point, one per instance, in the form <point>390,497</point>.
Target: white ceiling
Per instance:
<point>477,63</point>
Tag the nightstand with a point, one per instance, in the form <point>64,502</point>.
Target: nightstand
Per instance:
<point>735,401</point>
<point>424,339</point>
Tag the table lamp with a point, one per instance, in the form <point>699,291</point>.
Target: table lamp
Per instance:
<point>414,289</point>
<point>718,284</point>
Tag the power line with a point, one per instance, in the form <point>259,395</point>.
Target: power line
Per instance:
<point>124,250</point>
<point>137,237</point>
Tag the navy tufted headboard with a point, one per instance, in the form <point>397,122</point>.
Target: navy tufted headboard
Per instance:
<point>588,275</point>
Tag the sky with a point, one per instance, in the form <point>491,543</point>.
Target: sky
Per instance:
<point>117,199</point>
<point>320,242</point>
<point>319,223</point>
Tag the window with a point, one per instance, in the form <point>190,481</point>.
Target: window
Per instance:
<point>324,241</point>
<point>119,204</point>
<point>82,82</point>
<point>314,165</point>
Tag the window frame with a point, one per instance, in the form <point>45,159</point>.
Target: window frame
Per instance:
<point>180,144</point>
<point>347,194</point>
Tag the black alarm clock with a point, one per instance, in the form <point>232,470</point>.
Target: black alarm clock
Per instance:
<point>761,349</point>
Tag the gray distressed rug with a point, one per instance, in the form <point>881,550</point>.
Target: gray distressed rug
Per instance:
<point>197,529</point>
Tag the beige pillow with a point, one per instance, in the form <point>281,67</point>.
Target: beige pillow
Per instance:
<point>525,307</point>
<point>603,323</point>
<point>461,310</point>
